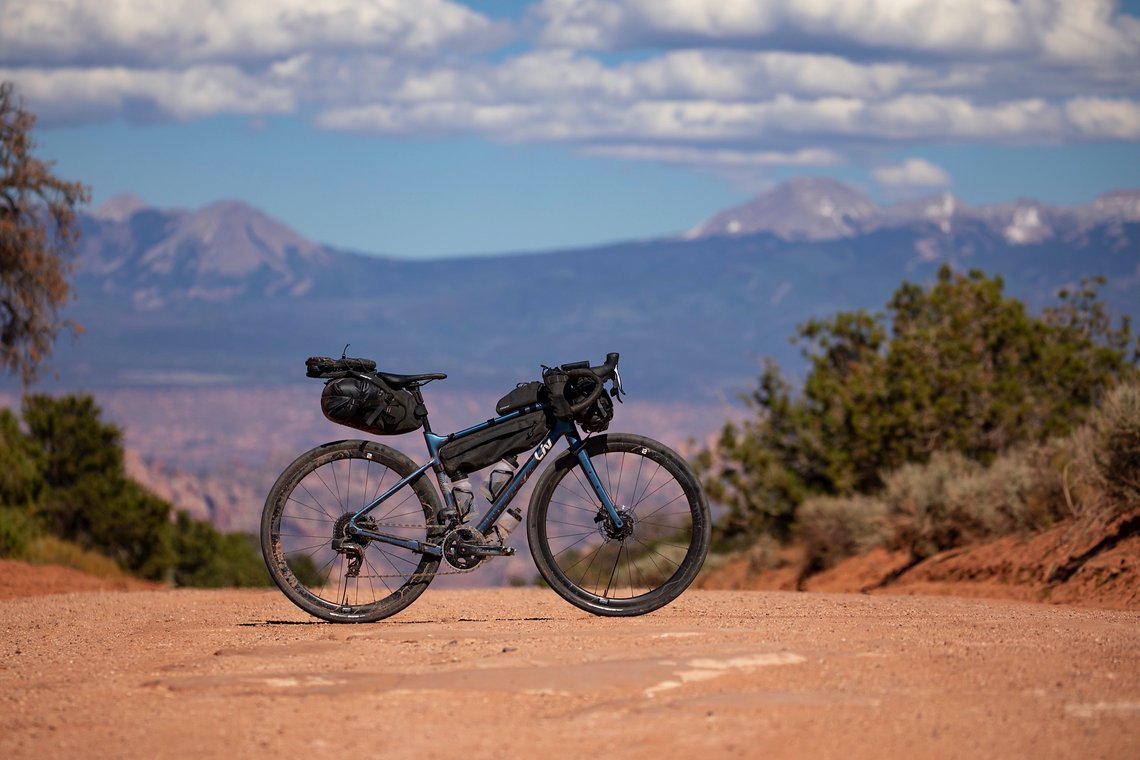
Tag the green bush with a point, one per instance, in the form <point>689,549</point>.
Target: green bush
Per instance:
<point>206,558</point>
<point>67,471</point>
<point>21,479</point>
<point>17,531</point>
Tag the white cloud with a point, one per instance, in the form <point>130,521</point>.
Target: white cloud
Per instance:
<point>183,32</point>
<point>911,173</point>
<point>1054,29</point>
<point>1105,117</point>
<point>722,85</point>
<point>86,94</point>
<point>717,157</point>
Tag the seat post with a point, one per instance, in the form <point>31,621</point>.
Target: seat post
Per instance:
<point>419,397</point>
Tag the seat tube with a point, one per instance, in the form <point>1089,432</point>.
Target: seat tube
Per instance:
<point>596,483</point>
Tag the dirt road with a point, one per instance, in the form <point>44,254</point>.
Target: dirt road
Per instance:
<point>516,672</point>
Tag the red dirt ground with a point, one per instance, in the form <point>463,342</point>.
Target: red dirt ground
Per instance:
<point>21,579</point>
<point>1078,564</point>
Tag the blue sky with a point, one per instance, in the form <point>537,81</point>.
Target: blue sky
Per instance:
<point>433,127</point>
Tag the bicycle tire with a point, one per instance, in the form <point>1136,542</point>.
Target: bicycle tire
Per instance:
<point>300,517</point>
<point>626,575</point>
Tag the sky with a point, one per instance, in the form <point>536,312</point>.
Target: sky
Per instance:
<point>428,128</point>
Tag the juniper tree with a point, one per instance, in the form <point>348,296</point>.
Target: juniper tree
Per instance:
<point>37,231</point>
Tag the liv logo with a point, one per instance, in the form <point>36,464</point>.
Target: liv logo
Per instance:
<point>543,450</point>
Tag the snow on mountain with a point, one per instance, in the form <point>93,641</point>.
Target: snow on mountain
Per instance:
<point>118,208</point>
<point>800,209</point>
<point>815,209</point>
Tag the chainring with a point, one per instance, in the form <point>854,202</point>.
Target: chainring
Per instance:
<point>455,549</point>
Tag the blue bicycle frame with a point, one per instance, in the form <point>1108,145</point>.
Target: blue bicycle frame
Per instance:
<point>561,429</point>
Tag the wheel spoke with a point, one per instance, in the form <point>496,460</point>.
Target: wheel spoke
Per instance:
<point>301,523</point>
<point>639,567</point>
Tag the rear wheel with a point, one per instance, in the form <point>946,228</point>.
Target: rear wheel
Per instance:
<point>313,555</point>
<point>651,558</point>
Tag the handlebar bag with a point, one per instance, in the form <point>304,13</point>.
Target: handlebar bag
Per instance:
<point>565,393</point>
<point>369,404</point>
<point>478,450</point>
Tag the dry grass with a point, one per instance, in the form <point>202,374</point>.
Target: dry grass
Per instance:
<point>49,550</point>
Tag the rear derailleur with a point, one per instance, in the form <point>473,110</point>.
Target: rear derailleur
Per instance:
<point>348,541</point>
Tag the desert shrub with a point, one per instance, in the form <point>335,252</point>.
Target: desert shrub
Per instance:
<point>1009,496</point>
<point>834,528</point>
<point>17,530</point>
<point>1116,441</point>
<point>764,554</point>
<point>952,501</point>
<point>918,501</point>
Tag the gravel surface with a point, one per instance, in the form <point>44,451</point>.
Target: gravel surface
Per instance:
<point>503,672</point>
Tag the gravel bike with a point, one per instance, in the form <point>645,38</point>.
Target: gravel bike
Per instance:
<point>353,531</point>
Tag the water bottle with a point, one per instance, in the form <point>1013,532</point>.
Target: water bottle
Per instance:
<point>499,476</point>
<point>508,521</point>
<point>464,498</point>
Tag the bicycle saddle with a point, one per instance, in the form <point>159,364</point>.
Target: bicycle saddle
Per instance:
<point>403,381</point>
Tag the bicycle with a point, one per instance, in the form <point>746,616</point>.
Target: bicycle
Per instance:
<point>353,531</point>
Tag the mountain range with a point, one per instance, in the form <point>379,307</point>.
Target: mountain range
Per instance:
<point>226,294</point>
<point>815,209</point>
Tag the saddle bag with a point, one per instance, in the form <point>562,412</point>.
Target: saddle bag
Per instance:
<point>478,450</point>
<point>369,404</point>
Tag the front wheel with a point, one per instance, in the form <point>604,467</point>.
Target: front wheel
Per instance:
<point>631,570</point>
<point>311,551</point>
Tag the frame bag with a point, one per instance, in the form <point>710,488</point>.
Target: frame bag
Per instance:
<point>478,450</point>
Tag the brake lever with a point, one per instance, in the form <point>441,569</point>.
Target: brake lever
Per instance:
<point>618,391</point>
